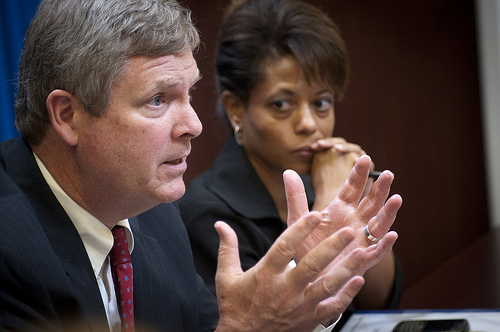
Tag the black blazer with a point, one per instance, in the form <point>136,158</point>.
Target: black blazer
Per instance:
<point>46,279</point>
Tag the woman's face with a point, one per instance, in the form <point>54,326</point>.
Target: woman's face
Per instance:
<point>284,116</point>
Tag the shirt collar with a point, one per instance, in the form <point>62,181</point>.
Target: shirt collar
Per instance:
<point>96,236</point>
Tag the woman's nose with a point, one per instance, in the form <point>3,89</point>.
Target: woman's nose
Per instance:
<point>306,123</point>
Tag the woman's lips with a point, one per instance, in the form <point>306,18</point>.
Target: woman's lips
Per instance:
<point>305,153</point>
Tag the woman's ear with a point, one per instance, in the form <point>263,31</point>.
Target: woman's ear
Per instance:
<point>234,107</point>
<point>63,108</point>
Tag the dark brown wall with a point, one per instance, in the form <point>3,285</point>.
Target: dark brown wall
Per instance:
<point>412,104</point>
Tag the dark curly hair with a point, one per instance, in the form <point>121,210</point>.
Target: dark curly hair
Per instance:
<point>255,32</point>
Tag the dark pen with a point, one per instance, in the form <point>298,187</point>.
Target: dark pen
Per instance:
<point>374,174</point>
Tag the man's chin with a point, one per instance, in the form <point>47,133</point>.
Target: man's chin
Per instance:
<point>173,191</point>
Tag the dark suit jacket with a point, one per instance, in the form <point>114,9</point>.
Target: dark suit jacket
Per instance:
<point>46,279</point>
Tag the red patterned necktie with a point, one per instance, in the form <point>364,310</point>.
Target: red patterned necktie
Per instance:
<point>121,268</point>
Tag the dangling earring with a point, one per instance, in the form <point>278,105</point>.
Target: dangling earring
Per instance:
<point>238,135</point>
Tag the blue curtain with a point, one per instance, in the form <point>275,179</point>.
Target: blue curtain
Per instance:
<point>15,16</point>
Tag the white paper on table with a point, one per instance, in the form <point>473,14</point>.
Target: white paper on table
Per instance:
<point>484,320</point>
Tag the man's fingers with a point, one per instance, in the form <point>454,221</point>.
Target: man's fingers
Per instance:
<point>354,186</point>
<point>295,196</point>
<point>376,253</point>
<point>311,265</point>
<point>377,195</point>
<point>335,305</point>
<point>332,282</point>
<point>285,246</point>
<point>382,222</point>
<point>229,259</point>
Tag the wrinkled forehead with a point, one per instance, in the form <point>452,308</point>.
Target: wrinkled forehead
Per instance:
<point>172,68</point>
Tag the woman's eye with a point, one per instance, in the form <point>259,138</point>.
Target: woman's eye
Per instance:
<point>281,105</point>
<point>323,105</point>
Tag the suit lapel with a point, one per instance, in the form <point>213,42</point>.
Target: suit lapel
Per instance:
<point>63,237</point>
<point>157,300</point>
<point>168,295</point>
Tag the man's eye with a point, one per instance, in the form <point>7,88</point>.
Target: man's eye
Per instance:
<point>156,101</point>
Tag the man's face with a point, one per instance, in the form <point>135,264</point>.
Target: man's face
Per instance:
<point>135,155</point>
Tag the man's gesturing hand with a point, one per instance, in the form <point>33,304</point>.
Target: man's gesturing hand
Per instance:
<point>333,253</point>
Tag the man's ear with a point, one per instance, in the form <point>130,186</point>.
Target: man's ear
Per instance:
<point>63,107</point>
<point>234,107</point>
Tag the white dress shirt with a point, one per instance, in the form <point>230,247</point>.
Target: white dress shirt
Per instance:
<point>98,240</point>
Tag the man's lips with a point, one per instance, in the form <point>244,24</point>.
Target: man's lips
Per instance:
<point>176,161</point>
<point>181,160</point>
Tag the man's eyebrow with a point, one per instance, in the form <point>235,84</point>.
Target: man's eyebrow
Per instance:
<point>171,83</point>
